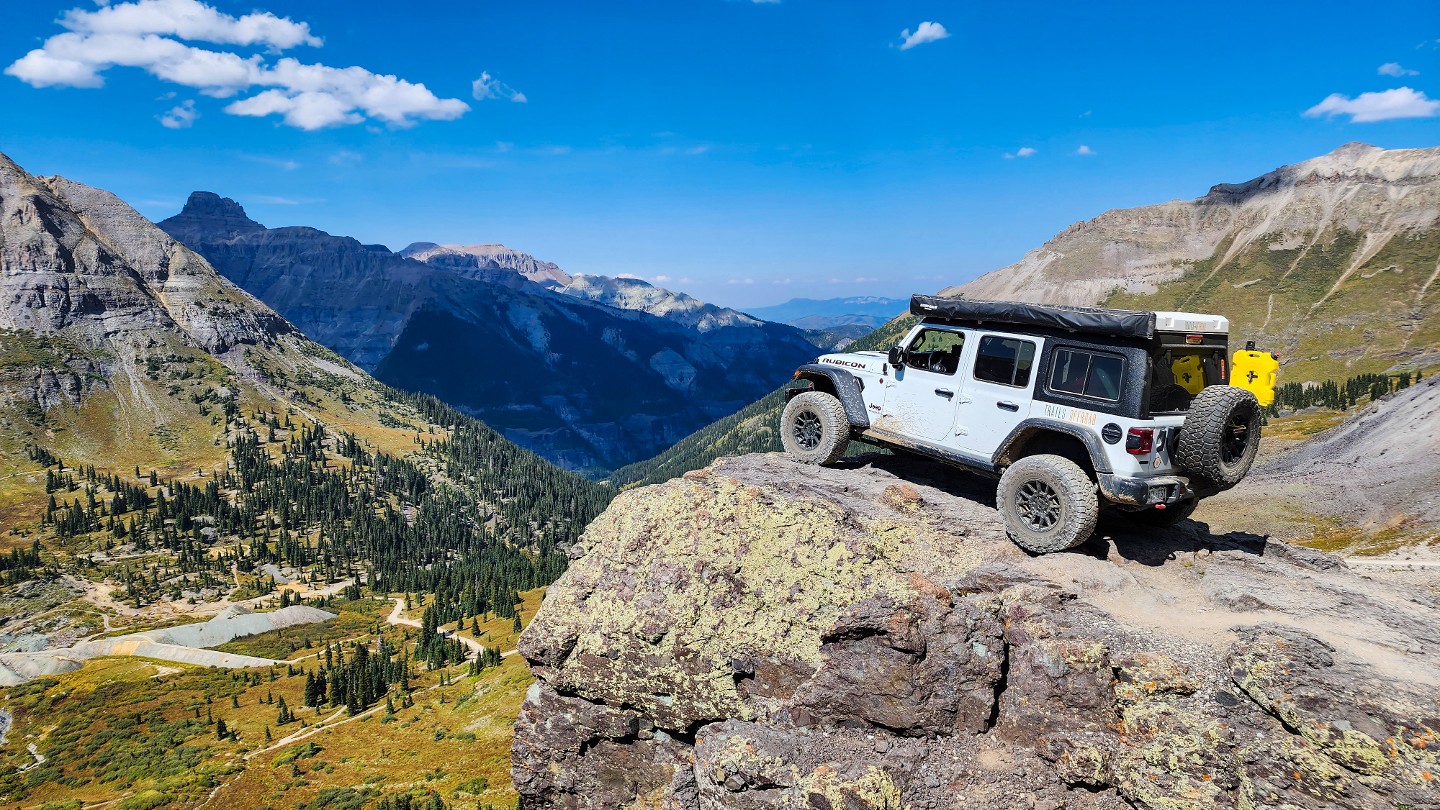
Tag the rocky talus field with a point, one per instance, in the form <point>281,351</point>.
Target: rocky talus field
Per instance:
<point>764,634</point>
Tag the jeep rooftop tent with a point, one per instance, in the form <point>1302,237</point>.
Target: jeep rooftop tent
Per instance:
<point>1083,320</point>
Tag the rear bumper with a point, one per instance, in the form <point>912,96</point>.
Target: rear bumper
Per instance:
<point>1166,489</point>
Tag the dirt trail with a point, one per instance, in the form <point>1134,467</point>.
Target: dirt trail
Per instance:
<point>397,618</point>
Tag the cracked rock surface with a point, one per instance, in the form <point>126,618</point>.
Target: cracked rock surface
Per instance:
<point>766,634</point>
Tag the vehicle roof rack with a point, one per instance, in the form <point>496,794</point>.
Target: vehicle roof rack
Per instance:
<point>1085,320</point>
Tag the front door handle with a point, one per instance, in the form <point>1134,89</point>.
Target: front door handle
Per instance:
<point>945,392</point>
<point>1007,406</point>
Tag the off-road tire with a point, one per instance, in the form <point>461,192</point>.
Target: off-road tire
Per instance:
<point>814,428</point>
<point>1048,503</point>
<point>1220,437</point>
<point>1172,515</point>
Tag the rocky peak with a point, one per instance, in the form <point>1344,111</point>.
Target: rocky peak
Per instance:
<point>766,634</point>
<point>210,214</point>
<point>491,256</point>
<point>642,296</point>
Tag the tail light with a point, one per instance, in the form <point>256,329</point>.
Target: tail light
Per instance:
<point>1194,339</point>
<point>1140,441</point>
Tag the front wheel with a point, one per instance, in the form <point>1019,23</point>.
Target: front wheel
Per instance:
<point>1048,504</point>
<point>814,428</point>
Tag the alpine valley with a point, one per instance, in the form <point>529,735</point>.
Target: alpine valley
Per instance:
<point>175,458</point>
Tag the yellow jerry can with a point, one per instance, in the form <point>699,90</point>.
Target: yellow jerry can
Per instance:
<point>1255,372</point>
<point>1189,373</point>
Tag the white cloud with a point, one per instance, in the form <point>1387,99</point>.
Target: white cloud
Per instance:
<point>1022,152</point>
<point>487,87</point>
<point>146,34</point>
<point>924,32</point>
<point>782,281</point>
<point>190,19</point>
<point>180,117</point>
<point>344,157</point>
<point>1394,69</point>
<point>284,164</point>
<point>1401,102</point>
<point>661,279</point>
<point>739,281</point>
<point>856,280</point>
<point>1085,151</point>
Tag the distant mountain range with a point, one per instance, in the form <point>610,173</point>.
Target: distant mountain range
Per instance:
<point>829,313</point>
<point>590,372</point>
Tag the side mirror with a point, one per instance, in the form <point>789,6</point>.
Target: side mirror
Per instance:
<point>897,356</point>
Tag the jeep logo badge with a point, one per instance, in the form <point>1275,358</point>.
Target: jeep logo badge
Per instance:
<point>1111,433</point>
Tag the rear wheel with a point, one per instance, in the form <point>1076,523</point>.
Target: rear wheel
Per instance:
<point>1220,436</point>
<point>814,428</point>
<point>1048,503</point>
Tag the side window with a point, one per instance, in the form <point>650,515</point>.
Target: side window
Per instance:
<point>1087,374</point>
<point>1003,360</point>
<point>936,350</point>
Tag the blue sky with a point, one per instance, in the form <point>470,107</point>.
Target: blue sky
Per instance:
<point>745,152</point>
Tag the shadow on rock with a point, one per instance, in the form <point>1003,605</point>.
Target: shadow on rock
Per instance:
<point>923,471</point>
<point>1149,545</point>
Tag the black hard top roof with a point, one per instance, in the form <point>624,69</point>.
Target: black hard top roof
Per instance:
<point>1082,320</point>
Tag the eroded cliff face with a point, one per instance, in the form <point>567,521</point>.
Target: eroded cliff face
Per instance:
<point>766,634</point>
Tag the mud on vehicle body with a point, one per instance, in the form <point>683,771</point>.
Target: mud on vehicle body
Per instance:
<point>1074,409</point>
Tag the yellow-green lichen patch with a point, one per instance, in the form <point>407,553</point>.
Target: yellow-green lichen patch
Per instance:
<point>683,580</point>
<point>873,790</point>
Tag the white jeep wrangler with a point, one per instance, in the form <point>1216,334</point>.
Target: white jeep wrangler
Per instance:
<point>1074,409</point>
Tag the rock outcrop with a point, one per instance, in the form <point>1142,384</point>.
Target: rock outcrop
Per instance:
<point>583,380</point>
<point>1331,262</point>
<point>766,634</point>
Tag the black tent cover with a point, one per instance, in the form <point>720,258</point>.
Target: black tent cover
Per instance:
<point>1087,320</point>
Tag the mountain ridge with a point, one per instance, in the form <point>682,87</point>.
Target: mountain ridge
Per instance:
<point>585,383</point>
<point>1330,262</point>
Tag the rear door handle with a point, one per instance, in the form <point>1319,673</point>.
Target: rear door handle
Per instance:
<point>945,392</point>
<point>1007,406</point>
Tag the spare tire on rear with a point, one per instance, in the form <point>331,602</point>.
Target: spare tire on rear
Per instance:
<point>1220,437</point>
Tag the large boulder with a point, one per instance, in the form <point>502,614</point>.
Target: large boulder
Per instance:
<point>766,634</point>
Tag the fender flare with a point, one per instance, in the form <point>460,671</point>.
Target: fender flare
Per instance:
<point>1030,427</point>
<point>839,382</point>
